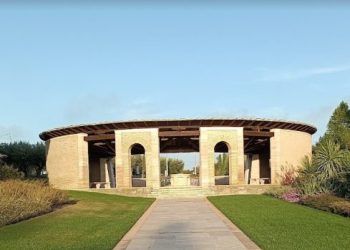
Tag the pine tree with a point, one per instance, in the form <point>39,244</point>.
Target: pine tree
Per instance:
<point>338,129</point>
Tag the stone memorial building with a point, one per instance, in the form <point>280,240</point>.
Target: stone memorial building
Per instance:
<point>100,155</point>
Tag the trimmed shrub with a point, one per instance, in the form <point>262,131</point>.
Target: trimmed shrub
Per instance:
<point>9,172</point>
<point>341,207</point>
<point>20,200</point>
<point>327,202</point>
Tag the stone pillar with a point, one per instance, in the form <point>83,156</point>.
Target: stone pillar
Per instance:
<point>110,171</point>
<point>247,168</point>
<point>104,170</point>
<point>288,147</point>
<point>255,170</point>
<point>67,161</point>
<point>205,179</point>
<point>124,140</point>
<point>209,137</point>
<point>240,158</point>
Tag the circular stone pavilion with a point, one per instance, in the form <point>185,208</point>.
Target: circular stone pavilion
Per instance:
<point>99,155</point>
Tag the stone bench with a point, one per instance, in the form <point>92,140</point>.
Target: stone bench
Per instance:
<point>261,181</point>
<point>100,184</point>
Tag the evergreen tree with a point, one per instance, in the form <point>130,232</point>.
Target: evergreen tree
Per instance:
<point>26,157</point>
<point>176,166</point>
<point>338,129</point>
<point>138,161</point>
<point>221,164</point>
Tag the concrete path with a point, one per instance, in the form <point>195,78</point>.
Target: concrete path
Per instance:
<point>185,223</point>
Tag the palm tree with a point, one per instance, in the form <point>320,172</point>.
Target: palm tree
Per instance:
<point>330,160</point>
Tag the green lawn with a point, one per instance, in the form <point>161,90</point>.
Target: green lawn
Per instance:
<point>276,224</point>
<point>97,221</point>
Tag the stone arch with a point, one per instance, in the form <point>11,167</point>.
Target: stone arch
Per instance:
<point>149,139</point>
<point>209,137</point>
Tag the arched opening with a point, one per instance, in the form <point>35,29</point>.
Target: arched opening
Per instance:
<point>221,163</point>
<point>179,159</point>
<point>179,169</point>
<point>138,165</point>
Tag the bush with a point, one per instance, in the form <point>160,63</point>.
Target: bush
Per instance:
<point>309,184</point>
<point>327,202</point>
<point>341,207</point>
<point>288,175</point>
<point>9,172</point>
<point>291,196</point>
<point>20,200</point>
<point>278,192</point>
<point>342,186</point>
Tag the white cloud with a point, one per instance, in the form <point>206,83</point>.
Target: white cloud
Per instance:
<point>271,75</point>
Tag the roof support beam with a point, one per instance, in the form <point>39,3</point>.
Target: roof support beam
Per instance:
<point>101,137</point>
<point>257,134</point>
<point>179,133</point>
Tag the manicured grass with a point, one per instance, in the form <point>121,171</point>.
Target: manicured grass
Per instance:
<point>97,221</point>
<point>276,224</point>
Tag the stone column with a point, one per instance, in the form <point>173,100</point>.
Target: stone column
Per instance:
<point>209,137</point>
<point>247,168</point>
<point>67,161</point>
<point>255,170</point>
<point>124,140</point>
<point>240,157</point>
<point>206,179</point>
<point>103,170</point>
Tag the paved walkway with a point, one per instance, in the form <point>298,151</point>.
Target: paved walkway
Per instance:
<point>191,223</point>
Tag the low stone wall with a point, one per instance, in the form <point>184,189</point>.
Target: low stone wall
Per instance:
<point>190,190</point>
<point>239,189</point>
<point>135,191</point>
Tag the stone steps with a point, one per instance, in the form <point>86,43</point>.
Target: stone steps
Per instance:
<point>187,191</point>
<point>164,192</point>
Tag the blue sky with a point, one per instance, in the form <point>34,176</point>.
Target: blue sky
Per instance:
<point>71,64</point>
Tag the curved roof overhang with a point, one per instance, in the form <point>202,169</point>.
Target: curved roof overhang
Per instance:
<point>179,127</point>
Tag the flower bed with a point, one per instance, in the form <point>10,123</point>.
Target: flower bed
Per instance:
<point>322,201</point>
<point>327,202</point>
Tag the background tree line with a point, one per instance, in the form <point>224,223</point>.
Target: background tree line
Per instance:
<point>24,157</point>
<point>176,166</point>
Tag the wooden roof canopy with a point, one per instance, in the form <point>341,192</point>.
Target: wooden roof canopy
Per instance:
<point>179,135</point>
<point>174,126</point>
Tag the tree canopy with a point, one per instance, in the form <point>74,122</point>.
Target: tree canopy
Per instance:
<point>176,166</point>
<point>221,164</point>
<point>26,157</point>
<point>138,161</point>
<point>338,128</point>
